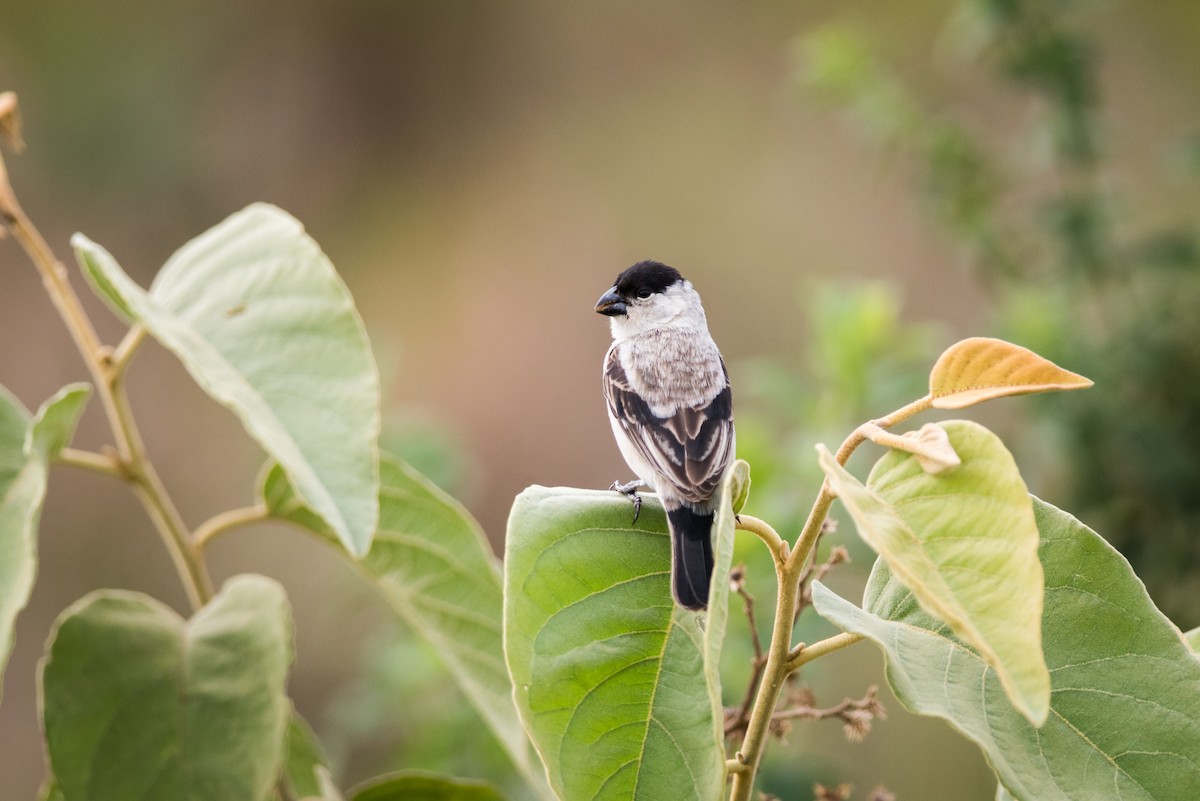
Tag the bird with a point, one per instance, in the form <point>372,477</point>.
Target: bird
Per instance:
<point>671,410</point>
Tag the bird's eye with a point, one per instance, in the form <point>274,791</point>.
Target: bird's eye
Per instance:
<point>644,293</point>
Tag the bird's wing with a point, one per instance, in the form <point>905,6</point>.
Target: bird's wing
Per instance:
<point>689,449</point>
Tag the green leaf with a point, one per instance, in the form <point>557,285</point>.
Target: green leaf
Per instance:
<point>139,704</point>
<point>26,447</point>
<point>49,791</point>
<point>1193,639</point>
<point>618,686</point>
<point>423,786</point>
<point>97,265</point>
<point>965,542</point>
<point>305,770</point>
<point>1125,708</point>
<point>54,424</point>
<point>433,564</point>
<point>261,320</point>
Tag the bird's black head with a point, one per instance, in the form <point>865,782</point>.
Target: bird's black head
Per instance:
<point>638,282</point>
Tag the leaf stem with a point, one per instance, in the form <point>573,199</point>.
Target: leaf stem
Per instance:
<point>804,654</point>
<point>158,504</point>
<point>763,530</point>
<point>124,352</point>
<point>89,460</point>
<point>226,521</point>
<point>780,660</point>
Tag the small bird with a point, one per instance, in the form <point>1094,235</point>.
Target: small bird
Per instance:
<point>671,411</point>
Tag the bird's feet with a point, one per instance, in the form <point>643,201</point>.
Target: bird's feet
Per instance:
<point>630,490</point>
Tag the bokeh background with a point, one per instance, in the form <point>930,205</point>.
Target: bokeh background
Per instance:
<point>851,186</point>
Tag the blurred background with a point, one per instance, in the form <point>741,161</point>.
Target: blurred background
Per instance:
<point>852,186</point>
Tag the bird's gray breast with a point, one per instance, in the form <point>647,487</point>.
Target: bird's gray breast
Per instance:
<point>673,369</point>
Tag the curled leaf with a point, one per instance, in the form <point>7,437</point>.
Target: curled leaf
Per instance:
<point>930,445</point>
<point>933,450</point>
<point>981,368</point>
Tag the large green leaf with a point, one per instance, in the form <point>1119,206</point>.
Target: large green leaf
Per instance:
<point>965,542</point>
<point>26,447</point>
<point>139,704</point>
<point>423,786</point>
<point>435,568</point>
<point>261,320</point>
<point>1125,708</point>
<point>616,684</point>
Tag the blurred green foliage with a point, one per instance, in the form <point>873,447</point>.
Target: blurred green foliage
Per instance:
<point>403,710</point>
<point>860,360</point>
<point>1075,272</point>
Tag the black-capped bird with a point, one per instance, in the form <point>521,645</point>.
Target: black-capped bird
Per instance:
<point>671,411</point>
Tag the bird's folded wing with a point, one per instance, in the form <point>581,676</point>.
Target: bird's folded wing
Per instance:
<point>690,448</point>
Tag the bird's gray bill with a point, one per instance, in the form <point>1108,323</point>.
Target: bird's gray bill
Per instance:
<point>611,304</point>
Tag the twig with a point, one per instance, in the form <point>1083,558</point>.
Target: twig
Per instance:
<point>817,572</point>
<point>780,660</point>
<point>106,463</point>
<point>803,654</point>
<point>107,373</point>
<point>763,530</point>
<point>736,719</point>
<point>856,714</point>
<point>225,521</point>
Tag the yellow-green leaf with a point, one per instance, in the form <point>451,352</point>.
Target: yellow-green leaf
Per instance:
<point>965,542</point>
<point>981,368</point>
<point>1124,721</point>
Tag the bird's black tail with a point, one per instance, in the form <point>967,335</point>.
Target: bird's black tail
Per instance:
<point>691,556</point>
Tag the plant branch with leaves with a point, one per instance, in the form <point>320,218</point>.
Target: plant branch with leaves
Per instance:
<point>262,322</point>
<point>995,610</point>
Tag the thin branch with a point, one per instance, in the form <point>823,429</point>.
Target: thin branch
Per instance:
<point>817,572</point>
<point>771,684</point>
<point>158,504</point>
<point>106,463</point>
<point>856,715</point>
<point>226,521</point>
<point>125,351</point>
<point>803,654</point>
<point>102,364</point>
<point>737,719</point>
<point>763,530</point>
<point>780,660</point>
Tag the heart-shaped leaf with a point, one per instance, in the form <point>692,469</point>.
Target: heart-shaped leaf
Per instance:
<point>139,704</point>
<point>27,445</point>
<point>1125,708</point>
<point>261,320</point>
<point>965,542</point>
<point>617,685</point>
<point>982,368</point>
